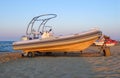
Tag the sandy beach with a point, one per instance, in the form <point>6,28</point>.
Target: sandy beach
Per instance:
<point>63,66</point>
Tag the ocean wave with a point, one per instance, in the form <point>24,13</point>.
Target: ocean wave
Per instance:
<point>6,46</point>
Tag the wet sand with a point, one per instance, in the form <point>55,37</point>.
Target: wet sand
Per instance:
<point>64,66</point>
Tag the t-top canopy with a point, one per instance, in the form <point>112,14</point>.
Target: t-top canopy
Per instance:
<point>43,19</point>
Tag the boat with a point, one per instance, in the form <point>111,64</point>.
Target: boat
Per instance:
<point>105,40</point>
<point>42,40</point>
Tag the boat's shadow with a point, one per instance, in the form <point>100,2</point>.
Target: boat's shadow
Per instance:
<point>85,54</point>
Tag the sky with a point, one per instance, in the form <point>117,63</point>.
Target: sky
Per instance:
<point>73,16</point>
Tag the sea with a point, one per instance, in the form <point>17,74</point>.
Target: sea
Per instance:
<point>6,46</point>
